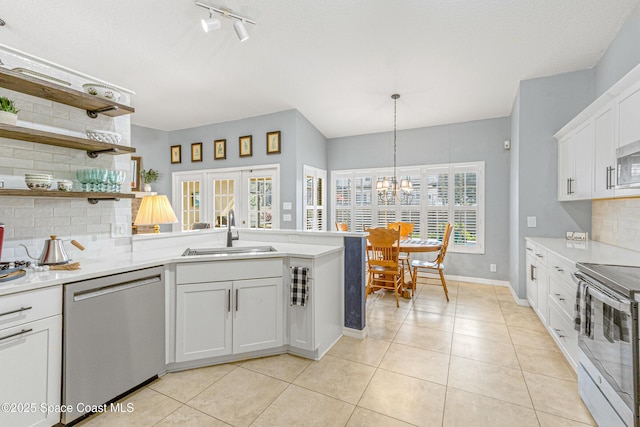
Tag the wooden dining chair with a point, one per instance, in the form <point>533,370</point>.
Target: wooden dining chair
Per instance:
<point>383,270</point>
<point>342,226</point>
<point>406,230</point>
<point>436,265</point>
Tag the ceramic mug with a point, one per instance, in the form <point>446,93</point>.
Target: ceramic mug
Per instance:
<point>65,185</point>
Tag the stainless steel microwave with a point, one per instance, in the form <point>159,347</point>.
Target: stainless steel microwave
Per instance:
<point>629,165</point>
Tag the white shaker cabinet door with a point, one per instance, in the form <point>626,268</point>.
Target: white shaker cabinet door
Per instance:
<point>30,368</point>
<point>580,187</point>
<point>566,167</point>
<point>604,172</point>
<point>203,320</point>
<point>258,320</point>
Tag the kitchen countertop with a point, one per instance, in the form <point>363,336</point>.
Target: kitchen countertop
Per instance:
<point>95,267</point>
<point>591,251</point>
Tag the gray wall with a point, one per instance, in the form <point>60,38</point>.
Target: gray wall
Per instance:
<point>621,56</point>
<point>152,145</point>
<point>460,142</point>
<point>297,135</point>
<point>545,105</point>
<point>311,150</point>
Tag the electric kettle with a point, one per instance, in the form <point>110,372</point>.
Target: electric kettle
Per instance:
<point>53,252</point>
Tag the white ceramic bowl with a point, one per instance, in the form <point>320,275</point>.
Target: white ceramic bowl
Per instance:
<point>38,185</point>
<point>38,176</point>
<point>102,91</point>
<point>104,136</point>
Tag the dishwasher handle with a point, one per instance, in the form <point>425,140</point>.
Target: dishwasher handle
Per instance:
<point>106,290</point>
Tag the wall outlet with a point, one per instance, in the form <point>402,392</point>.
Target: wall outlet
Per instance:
<point>286,217</point>
<point>493,268</point>
<point>118,229</point>
<point>531,221</point>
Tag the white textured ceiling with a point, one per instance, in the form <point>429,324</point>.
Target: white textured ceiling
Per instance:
<point>335,61</point>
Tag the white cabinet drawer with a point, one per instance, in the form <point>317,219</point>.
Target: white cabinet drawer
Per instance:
<point>218,271</point>
<point>540,255</point>
<point>561,267</point>
<point>23,307</point>
<point>563,294</point>
<point>564,333</point>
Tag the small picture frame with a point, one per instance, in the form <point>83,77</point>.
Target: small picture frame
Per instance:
<point>273,142</point>
<point>136,167</point>
<point>246,146</point>
<point>176,154</point>
<point>196,152</point>
<point>220,149</point>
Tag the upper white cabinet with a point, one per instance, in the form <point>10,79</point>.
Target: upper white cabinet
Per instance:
<point>587,144</point>
<point>628,114</point>
<point>604,171</point>
<point>575,158</point>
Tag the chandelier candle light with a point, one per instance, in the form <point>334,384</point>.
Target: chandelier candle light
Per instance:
<point>394,187</point>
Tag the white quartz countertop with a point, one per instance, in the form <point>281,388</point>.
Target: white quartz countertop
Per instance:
<point>591,252</point>
<point>113,264</point>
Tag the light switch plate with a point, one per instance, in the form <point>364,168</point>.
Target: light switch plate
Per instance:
<point>118,230</point>
<point>493,268</point>
<point>531,221</point>
<point>286,206</point>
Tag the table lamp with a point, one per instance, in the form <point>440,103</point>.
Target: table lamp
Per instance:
<point>155,210</point>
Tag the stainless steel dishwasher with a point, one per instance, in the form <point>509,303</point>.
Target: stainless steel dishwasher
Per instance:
<point>113,337</point>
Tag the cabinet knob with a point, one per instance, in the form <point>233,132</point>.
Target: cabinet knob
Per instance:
<point>560,298</point>
<point>558,269</point>
<point>559,333</point>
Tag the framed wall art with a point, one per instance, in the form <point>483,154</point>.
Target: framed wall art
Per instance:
<point>246,146</point>
<point>196,152</point>
<point>220,149</point>
<point>273,142</point>
<point>136,167</point>
<point>176,154</point>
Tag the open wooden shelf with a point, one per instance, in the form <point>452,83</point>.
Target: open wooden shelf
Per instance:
<point>42,89</point>
<point>59,140</point>
<point>93,196</point>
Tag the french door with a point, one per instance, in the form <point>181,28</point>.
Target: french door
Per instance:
<point>208,196</point>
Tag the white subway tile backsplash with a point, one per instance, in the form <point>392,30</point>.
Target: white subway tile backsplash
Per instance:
<point>616,222</point>
<point>32,220</point>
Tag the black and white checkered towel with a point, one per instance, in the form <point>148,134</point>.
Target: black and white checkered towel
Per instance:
<point>299,285</point>
<point>583,310</point>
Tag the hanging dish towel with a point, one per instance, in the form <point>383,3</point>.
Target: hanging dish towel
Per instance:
<point>615,325</point>
<point>299,285</point>
<point>583,311</point>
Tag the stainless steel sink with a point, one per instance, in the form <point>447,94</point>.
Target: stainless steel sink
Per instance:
<point>228,251</point>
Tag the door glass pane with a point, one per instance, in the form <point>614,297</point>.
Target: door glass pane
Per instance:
<point>190,203</point>
<point>260,202</point>
<point>223,201</point>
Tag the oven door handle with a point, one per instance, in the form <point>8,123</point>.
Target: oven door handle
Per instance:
<point>624,307</point>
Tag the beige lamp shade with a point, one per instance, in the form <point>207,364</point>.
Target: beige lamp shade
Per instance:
<point>155,210</point>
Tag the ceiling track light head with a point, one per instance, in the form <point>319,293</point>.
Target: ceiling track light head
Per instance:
<point>2,23</point>
<point>214,23</point>
<point>241,31</point>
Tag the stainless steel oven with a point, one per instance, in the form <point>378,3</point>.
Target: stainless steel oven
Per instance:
<point>607,320</point>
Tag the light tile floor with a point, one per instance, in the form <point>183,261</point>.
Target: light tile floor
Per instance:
<point>478,360</point>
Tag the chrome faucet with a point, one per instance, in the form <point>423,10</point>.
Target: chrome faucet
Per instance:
<point>231,221</point>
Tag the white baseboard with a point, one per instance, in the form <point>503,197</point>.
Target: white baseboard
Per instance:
<point>478,280</point>
<point>355,333</point>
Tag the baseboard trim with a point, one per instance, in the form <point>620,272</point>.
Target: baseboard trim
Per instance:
<point>479,280</point>
<point>355,333</point>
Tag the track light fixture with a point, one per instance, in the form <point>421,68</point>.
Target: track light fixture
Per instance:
<point>214,23</point>
<point>211,23</point>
